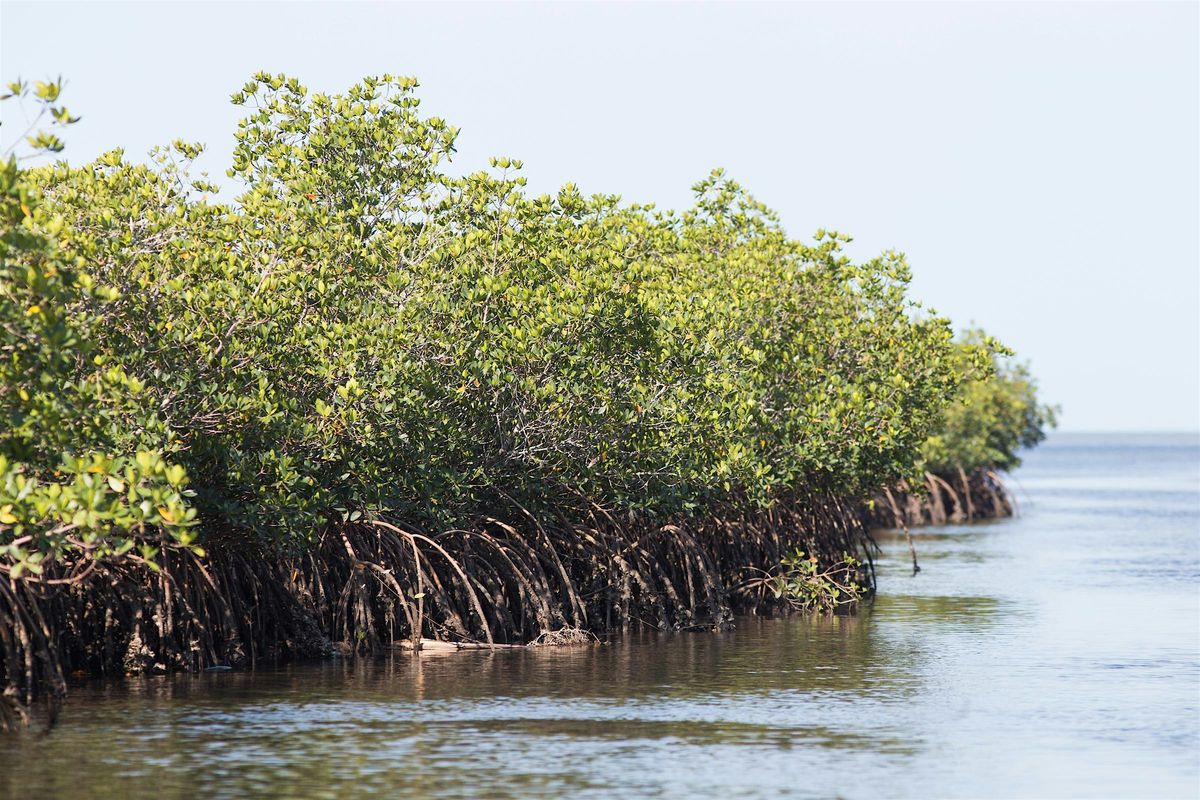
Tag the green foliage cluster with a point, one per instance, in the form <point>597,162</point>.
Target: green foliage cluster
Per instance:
<point>361,334</point>
<point>995,413</point>
<point>78,471</point>
<point>807,585</point>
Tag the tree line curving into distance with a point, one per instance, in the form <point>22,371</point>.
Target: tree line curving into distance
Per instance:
<point>367,401</point>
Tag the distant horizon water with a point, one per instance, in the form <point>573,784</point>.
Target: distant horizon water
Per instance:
<point>1124,432</point>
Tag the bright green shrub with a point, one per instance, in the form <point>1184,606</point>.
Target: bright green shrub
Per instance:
<point>80,470</point>
<point>994,415</point>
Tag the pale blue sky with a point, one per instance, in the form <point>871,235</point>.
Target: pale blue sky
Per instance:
<point>1039,164</point>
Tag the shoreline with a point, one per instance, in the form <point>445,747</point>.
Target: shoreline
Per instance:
<point>364,588</point>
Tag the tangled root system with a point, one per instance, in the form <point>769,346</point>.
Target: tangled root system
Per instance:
<point>380,583</point>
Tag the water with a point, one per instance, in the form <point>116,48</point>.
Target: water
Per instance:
<point>1053,655</point>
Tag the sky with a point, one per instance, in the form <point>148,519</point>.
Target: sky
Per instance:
<point>1038,163</point>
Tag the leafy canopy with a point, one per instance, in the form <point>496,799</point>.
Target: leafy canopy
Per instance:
<point>362,333</point>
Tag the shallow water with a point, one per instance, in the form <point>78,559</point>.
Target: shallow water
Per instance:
<point>1052,655</point>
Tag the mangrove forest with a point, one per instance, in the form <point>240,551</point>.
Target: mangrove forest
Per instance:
<point>347,400</point>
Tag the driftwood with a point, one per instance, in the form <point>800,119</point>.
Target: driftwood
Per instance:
<point>434,646</point>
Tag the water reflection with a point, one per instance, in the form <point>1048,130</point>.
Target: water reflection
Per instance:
<point>977,613</point>
<point>773,685</point>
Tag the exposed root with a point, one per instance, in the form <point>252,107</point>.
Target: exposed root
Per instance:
<point>379,584</point>
<point>957,498</point>
<point>128,618</point>
<point>946,498</point>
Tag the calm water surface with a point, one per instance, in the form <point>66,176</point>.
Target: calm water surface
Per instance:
<point>1053,655</point>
